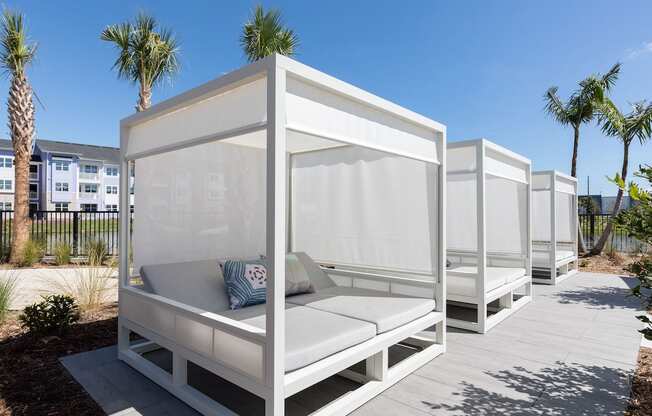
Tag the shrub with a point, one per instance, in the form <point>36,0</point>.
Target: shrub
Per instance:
<point>7,291</point>
<point>637,222</point>
<point>32,253</point>
<point>62,252</point>
<point>97,252</point>
<point>55,314</point>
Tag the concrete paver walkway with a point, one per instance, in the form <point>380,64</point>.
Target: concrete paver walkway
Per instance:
<point>570,352</point>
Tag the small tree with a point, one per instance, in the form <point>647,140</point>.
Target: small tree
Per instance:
<point>637,223</point>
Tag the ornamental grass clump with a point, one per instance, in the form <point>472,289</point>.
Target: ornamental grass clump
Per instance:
<point>7,292</point>
<point>62,253</point>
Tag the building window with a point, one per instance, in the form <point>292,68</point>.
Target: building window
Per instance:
<point>90,168</point>
<point>61,206</point>
<point>110,189</point>
<point>6,184</point>
<point>111,171</point>
<point>88,207</point>
<point>89,188</point>
<point>62,187</point>
<point>6,162</point>
<point>61,165</point>
<point>6,206</point>
<point>112,207</point>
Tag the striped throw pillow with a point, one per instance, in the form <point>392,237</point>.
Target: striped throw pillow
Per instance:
<point>246,283</point>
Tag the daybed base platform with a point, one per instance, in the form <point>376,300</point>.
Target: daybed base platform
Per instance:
<point>505,296</point>
<point>566,265</point>
<point>201,337</point>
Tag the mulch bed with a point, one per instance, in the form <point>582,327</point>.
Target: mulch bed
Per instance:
<point>605,263</point>
<point>34,382</point>
<point>641,399</point>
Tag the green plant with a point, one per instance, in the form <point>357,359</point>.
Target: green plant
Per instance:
<point>637,222</point>
<point>90,286</point>
<point>33,252</point>
<point>62,252</point>
<point>7,291</point>
<point>636,125</point>
<point>97,252</point>
<point>55,314</point>
<point>265,34</point>
<point>145,56</point>
<point>16,53</point>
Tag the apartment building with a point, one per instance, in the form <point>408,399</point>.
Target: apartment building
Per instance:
<point>65,177</point>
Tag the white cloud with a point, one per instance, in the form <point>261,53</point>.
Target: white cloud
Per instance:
<point>645,48</point>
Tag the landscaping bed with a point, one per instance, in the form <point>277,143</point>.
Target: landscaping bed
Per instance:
<point>611,263</point>
<point>32,379</point>
<point>641,398</point>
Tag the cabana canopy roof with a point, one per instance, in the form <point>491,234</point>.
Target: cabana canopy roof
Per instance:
<point>321,112</point>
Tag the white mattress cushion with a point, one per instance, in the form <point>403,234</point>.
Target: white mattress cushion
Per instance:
<point>542,258</point>
<point>462,280</point>
<point>310,334</point>
<point>385,311</point>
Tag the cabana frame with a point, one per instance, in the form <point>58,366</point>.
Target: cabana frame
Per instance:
<point>217,343</point>
<point>560,264</point>
<point>503,164</point>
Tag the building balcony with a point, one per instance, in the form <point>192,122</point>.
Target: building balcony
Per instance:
<point>89,196</point>
<point>94,177</point>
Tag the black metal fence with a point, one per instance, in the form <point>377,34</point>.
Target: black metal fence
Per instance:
<point>76,228</point>
<point>592,226</point>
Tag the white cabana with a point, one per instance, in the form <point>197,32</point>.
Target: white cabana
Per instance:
<point>554,226</point>
<point>271,159</point>
<point>488,234</point>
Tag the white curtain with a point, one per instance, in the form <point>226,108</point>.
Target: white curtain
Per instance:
<point>565,212</point>
<point>461,212</point>
<point>541,215</point>
<point>506,216</point>
<point>364,207</point>
<point>203,202</point>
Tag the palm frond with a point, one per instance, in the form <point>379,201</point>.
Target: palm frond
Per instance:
<point>145,55</point>
<point>555,107</point>
<point>612,121</point>
<point>265,34</point>
<point>611,76</point>
<point>16,51</point>
<point>640,121</point>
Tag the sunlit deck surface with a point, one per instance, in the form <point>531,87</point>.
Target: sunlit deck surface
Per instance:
<point>572,351</point>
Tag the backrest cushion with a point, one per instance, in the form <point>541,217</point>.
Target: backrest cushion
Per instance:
<point>318,278</point>
<point>195,283</point>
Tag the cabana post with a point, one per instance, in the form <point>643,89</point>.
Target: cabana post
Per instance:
<point>488,234</point>
<point>555,225</point>
<point>277,162</point>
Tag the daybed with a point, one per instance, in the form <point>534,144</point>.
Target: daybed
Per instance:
<point>488,234</point>
<point>270,162</point>
<point>554,227</point>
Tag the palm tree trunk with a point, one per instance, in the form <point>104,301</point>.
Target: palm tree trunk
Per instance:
<point>144,98</point>
<point>599,246</point>
<point>20,109</point>
<point>576,143</point>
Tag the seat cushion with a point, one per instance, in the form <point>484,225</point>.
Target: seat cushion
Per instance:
<point>383,310</point>
<point>542,258</point>
<point>462,280</point>
<point>310,334</point>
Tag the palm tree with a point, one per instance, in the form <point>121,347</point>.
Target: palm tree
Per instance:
<point>581,106</point>
<point>145,56</point>
<point>16,53</point>
<point>637,125</point>
<point>579,109</point>
<point>264,34</point>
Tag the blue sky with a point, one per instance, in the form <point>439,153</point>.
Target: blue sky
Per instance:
<point>479,67</point>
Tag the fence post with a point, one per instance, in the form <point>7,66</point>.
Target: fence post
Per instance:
<point>75,233</point>
<point>592,228</point>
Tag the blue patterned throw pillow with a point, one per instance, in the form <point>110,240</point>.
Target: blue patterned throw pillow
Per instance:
<point>246,283</point>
